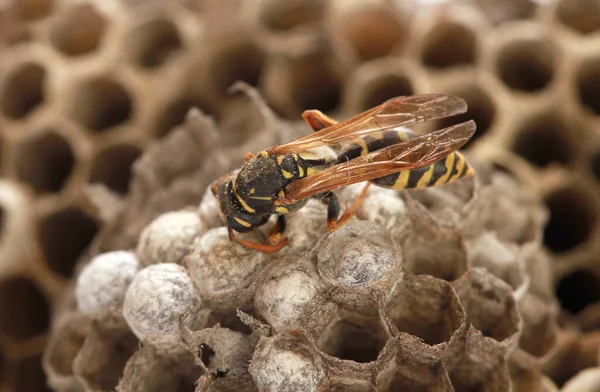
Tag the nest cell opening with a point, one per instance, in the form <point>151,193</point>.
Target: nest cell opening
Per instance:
<point>175,112</point>
<point>526,65</point>
<point>45,163</point>
<point>373,32</point>
<point>154,42</point>
<point>383,88</point>
<point>31,10</point>
<point>544,140</point>
<point>112,167</point>
<point>23,90</point>
<point>79,31</point>
<point>100,104</point>
<point>583,16</point>
<point>425,309</point>
<point>63,236</point>
<point>30,375</point>
<point>285,15</point>
<point>355,339</point>
<point>24,311</point>
<point>448,45</point>
<point>572,219</point>
<point>315,85</point>
<point>588,85</point>
<point>481,109</point>
<point>578,290</point>
<point>240,62</point>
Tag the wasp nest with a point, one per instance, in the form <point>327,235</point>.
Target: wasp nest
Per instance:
<point>87,88</point>
<point>434,289</point>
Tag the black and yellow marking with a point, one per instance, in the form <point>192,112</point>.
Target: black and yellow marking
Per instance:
<point>445,171</point>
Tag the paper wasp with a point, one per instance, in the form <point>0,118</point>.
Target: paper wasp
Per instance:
<point>373,146</point>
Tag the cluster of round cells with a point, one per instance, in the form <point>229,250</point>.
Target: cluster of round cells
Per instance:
<point>60,131</point>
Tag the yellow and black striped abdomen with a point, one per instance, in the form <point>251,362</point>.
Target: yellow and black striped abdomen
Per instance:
<point>445,171</point>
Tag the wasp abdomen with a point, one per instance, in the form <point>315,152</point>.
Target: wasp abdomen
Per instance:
<point>445,171</point>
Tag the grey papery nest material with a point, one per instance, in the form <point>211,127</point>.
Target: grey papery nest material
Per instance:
<point>87,86</point>
<point>426,289</point>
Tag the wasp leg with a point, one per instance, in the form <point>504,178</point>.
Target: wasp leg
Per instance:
<point>317,120</point>
<point>333,210</point>
<point>256,246</point>
<point>248,156</point>
<point>277,230</point>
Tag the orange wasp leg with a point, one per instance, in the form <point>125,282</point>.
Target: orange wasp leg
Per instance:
<point>332,212</point>
<point>277,230</point>
<point>256,246</point>
<point>317,120</point>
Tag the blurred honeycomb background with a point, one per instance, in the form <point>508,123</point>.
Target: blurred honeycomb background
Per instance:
<point>87,86</point>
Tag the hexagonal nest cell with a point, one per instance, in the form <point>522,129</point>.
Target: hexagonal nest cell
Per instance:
<point>582,16</point>
<point>545,139</point>
<point>573,218</point>
<point>449,44</point>
<point>45,162</point>
<point>23,90</point>
<point>526,65</point>
<point>154,42</point>
<point>24,310</point>
<point>112,167</point>
<point>101,103</point>
<point>578,290</point>
<point>63,236</point>
<point>79,30</point>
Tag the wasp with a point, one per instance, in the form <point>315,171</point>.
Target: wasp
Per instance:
<point>374,147</point>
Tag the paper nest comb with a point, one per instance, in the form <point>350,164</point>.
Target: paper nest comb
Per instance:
<point>407,295</point>
<point>86,87</point>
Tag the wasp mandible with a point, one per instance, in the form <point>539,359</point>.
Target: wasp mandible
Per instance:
<point>374,146</point>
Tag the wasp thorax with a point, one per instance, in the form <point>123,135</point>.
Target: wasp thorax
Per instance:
<point>260,177</point>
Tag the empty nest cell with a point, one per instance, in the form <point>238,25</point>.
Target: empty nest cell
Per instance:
<point>587,80</point>
<point>101,103</point>
<point>30,375</point>
<point>425,307</point>
<point>31,10</point>
<point>481,109</point>
<point>79,30</point>
<point>355,337</point>
<point>239,61</point>
<point>23,309</point>
<point>154,42</point>
<point>543,140</point>
<point>63,236</point>
<point>45,162</point>
<point>373,31</point>
<point>578,290</point>
<point>284,15</point>
<point>583,16</point>
<point>23,90</point>
<point>526,65</point>
<point>112,167</point>
<point>449,44</point>
<point>315,84</point>
<point>384,87</point>
<point>572,219</point>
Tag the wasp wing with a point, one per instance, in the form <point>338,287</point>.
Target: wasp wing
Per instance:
<point>391,114</point>
<point>420,151</point>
